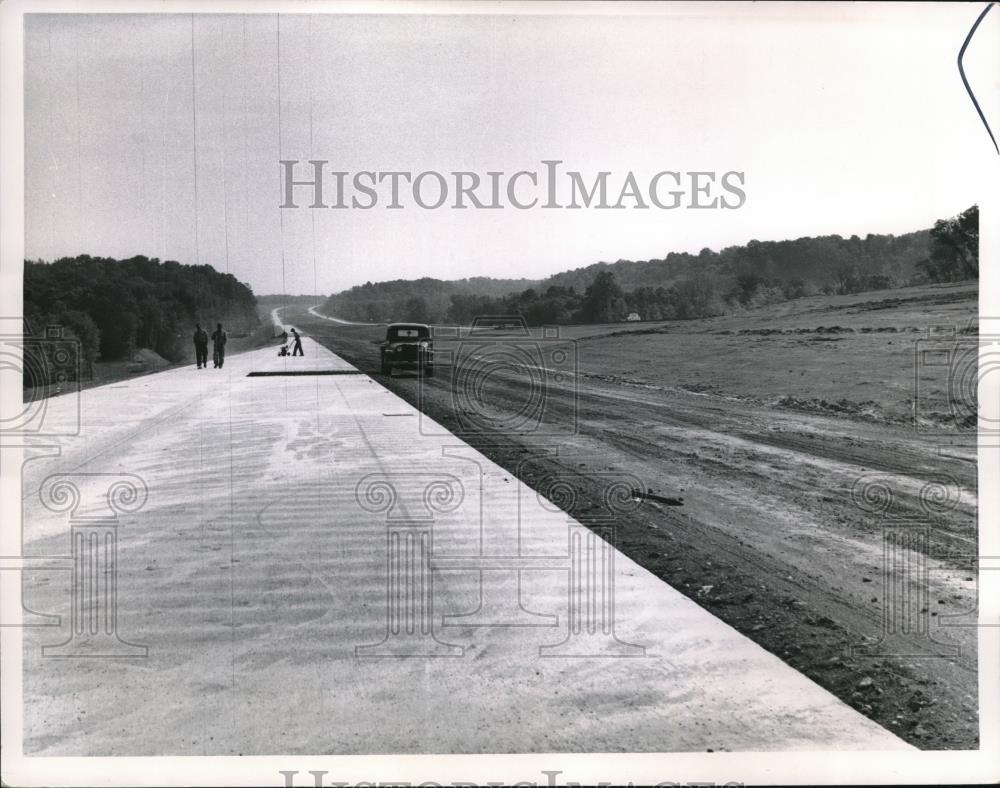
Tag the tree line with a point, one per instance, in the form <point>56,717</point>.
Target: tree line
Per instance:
<point>685,286</point>
<point>113,307</point>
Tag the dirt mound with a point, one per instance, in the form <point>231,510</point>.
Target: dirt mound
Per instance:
<point>146,360</point>
<point>869,410</point>
<point>142,362</point>
<point>935,299</point>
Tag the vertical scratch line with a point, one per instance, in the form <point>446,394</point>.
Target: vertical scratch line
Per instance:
<point>281,212</point>
<point>194,145</point>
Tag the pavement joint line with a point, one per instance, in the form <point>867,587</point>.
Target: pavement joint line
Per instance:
<point>302,373</point>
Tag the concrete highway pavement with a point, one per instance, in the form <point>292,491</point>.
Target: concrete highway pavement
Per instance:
<point>307,566</point>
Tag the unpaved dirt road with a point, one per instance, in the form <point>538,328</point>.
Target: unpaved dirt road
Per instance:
<point>755,521</point>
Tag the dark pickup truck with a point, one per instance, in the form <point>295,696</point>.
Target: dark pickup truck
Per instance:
<point>408,346</point>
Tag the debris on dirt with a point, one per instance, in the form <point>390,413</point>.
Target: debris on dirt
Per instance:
<point>645,495</point>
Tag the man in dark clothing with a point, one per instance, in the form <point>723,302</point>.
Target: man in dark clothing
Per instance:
<point>219,346</point>
<point>201,346</point>
<point>297,347</point>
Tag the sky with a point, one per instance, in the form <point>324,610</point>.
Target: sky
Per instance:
<point>161,134</point>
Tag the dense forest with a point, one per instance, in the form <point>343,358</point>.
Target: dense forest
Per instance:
<point>682,285</point>
<point>112,307</point>
<point>422,300</point>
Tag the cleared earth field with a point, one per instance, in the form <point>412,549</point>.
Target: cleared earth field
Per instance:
<point>749,433</point>
<point>855,350</point>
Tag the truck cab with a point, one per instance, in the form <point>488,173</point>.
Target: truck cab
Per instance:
<point>407,346</point>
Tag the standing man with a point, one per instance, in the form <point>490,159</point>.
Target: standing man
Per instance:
<point>219,346</point>
<point>297,347</point>
<point>201,346</point>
